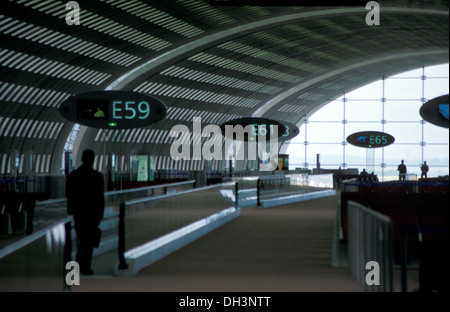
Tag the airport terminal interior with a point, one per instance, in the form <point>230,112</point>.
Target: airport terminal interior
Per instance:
<point>212,173</point>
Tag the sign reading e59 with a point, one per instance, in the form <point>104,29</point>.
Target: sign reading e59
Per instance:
<point>113,109</point>
<point>370,139</point>
<point>130,110</point>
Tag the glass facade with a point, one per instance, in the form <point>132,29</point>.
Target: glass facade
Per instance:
<point>389,105</point>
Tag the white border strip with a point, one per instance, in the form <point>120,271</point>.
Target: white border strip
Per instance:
<point>142,256</point>
<point>296,198</point>
<point>32,237</point>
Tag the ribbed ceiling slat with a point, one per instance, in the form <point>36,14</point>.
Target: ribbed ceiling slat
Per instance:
<point>43,60</point>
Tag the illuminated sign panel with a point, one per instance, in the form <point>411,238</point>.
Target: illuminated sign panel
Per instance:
<point>435,111</point>
<point>265,126</point>
<point>290,132</point>
<point>370,139</point>
<point>112,109</point>
<point>443,110</point>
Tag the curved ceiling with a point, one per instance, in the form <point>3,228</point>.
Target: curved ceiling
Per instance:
<point>213,62</point>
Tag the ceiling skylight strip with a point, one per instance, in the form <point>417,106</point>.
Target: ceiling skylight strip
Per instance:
<point>47,130</point>
<point>6,92</point>
<point>161,135</point>
<point>10,59</point>
<point>22,61</point>
<point>169,113</point>
<point>98,135</point>
<point>54,131</point>
<point>207,12</point>
<point>40,4</point>
<point>244,67</point>
<point>178,112</point>
<point>267,56</point>
<point>3,123</point>
<point>168,139</point>
<point>50,5</point>
<point>26,130</point>
<point>22,127</point>
<point>42,126</point>
<point>8,131</point>
<point>18,128</point>
<point>150,136</point>
<point>15,28</point>
<point>5,22</point>
<point>185,73</point>
<point>32,129</point>
<point>38,35</point>
<point>291,108</point>
<point>19,92</point>
<point>189,114</point>
<point>24,95</point>
<point>110,27</point>
<point>153,15</point>
<point>184,114</point>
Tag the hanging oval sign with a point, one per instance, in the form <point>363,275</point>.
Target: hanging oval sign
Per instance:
<point>112,109</point>
<point>435,111</point>
<point>370,139</point>
<point>291,131</point>
<point>257,127</point>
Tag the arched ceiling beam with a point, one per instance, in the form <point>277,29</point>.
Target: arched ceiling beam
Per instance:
<point>168,58</point>
<point>340,71</point>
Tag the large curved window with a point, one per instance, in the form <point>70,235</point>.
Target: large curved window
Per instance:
<point>389,105</point>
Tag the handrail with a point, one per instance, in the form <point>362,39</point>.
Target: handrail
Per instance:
<point>146,199</point>
<point>120,192</point>
<point>184,234</point>
<point>370,239</point>
<point>151,187</point>
<point>26,240</point>
<point>251,191</point>
<point>61,224</point>
<point>54,253</point>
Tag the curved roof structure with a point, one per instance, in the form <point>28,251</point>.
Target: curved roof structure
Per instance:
<point>213,62</point>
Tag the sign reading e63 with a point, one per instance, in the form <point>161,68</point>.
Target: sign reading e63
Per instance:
<point>112,109</point>
<point>370,139</point>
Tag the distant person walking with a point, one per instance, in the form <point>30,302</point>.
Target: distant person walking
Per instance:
<point>85,201</point>
<point>424,170</point>
<point>402,171</point>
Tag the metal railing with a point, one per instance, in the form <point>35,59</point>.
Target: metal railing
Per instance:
<point>370,238</point>
<point>154,226</point>
<point>257,191</point>
<point>44,252</point>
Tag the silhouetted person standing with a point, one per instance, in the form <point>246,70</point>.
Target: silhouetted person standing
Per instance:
<point>364,175</point>
<point>85,201</point>
<point>424,170</point>
<point>402,171</point>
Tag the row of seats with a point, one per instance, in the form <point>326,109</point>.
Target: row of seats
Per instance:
<point>13,216</point>
<point>397,187</point>
<point>17,212</point>
<point>417,212</point>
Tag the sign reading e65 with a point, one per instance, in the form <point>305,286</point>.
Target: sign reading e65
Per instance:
<point>113,109</point>
<point>370,139</point>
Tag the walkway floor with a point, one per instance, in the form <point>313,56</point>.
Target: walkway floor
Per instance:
<point>280,249</point>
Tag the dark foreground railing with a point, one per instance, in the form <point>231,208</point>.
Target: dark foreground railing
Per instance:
<point>36,260</point>
<point>264,191</point>
<point>370,248</point>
